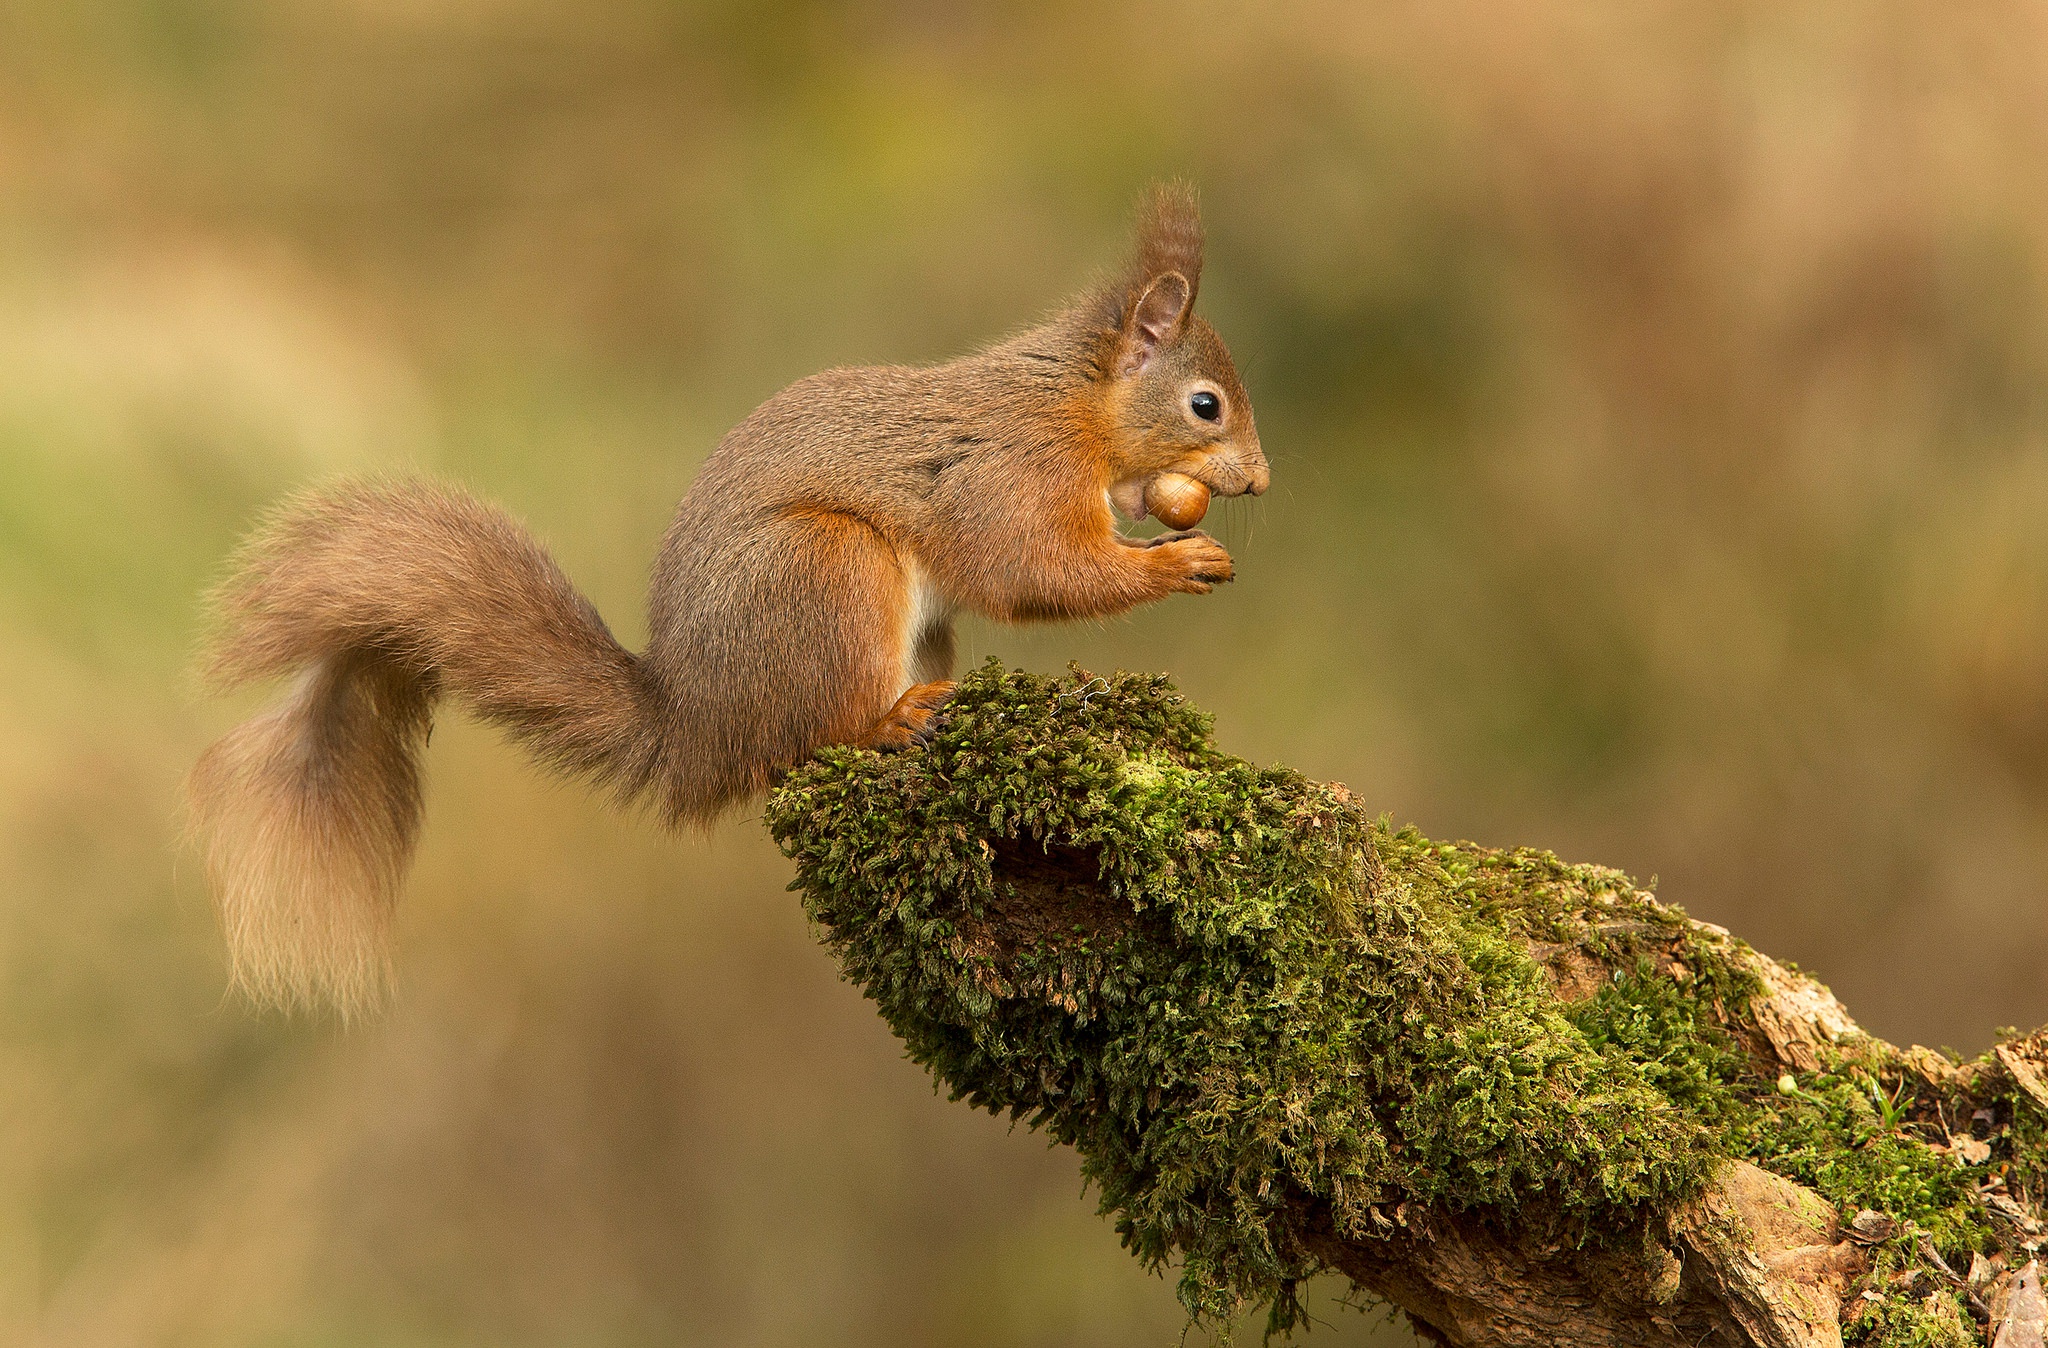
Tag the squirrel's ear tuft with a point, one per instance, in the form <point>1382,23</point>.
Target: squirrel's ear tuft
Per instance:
<point>1166,269</point>
<point>1169,237</point>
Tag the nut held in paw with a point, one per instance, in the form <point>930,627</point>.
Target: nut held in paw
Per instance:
<point>1178,501</point>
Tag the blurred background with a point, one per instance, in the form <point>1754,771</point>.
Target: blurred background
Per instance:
<point>1657,398</point>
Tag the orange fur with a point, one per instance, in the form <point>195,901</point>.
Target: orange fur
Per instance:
<point>802,596</point>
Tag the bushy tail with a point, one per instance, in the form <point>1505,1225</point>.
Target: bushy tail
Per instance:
<point>381,597</point>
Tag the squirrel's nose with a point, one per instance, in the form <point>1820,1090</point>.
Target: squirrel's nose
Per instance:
<point>1257,476</point>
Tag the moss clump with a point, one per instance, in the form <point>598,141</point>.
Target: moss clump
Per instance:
<point>1843,1134</point>
<point>1259,1013</point>
<point>1937,1321</point>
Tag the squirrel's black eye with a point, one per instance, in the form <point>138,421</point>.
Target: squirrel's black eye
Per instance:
<point>1206,405</point>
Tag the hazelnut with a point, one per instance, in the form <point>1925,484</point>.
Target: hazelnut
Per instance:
<point>1178,501</point>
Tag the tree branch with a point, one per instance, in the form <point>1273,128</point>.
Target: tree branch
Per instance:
<point>1523,1100</point>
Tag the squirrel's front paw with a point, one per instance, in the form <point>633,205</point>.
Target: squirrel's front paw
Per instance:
<point>1160,540</point>
<point>1196,561</point>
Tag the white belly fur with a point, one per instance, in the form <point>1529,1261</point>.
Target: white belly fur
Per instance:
<point>926,609</point>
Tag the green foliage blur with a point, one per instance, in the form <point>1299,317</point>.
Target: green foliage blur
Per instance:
<point>1657,398</point>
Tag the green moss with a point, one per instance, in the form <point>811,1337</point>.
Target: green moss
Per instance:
<point>1831,1134</point>
<point>1658,1024</point>
<point>1255,1009</point>
<point>1939,1321</point>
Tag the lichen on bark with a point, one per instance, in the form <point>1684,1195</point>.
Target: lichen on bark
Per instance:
<point>1286,1036</point>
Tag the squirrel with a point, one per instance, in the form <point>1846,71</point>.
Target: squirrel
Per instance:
<point>803,596</point>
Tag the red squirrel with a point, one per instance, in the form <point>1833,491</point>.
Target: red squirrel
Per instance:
<point>804,595</point>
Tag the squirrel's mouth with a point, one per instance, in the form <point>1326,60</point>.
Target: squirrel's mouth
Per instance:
<point>1221,474</point>
<point>1234,473</point>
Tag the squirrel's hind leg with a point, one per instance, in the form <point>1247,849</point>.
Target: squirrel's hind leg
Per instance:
<point>928,667</point>
<point>795,640</point>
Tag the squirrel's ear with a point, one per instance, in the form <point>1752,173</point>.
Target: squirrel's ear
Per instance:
<point>1156,317</point>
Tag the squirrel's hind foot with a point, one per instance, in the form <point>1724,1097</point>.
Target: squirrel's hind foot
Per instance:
<point>913,720</point>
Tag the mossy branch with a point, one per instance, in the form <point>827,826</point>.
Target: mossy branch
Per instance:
<point>1523,1100</point>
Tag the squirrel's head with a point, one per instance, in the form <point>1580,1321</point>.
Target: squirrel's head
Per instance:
<point>1170,387</point>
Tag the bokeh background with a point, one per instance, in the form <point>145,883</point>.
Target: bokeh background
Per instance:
<point>1657,397</point>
